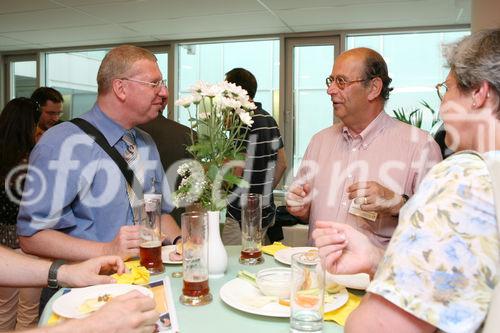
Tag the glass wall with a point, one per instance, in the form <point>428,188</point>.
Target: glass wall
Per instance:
<point>74,75</point>
<point>210,62</point>
<point>312,107</point>
<point>415,65</point>
<point>23,78</point>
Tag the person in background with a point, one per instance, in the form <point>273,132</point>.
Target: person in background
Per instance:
<point>51,107</point>
<point>18,120</point>
<point>132,312</point>
<point>264,165</point>
<point>441,266</point>
<point>171,139</point>
<point>361,170</point>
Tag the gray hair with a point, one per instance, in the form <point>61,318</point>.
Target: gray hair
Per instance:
<point>476,58</point>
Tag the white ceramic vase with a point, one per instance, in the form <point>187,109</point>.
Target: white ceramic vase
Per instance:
<point>217,255</point>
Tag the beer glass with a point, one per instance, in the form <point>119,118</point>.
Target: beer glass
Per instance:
<point>251,229</point>
<point>150,246</point>
<point>195,289</point>
<point>307,293</point>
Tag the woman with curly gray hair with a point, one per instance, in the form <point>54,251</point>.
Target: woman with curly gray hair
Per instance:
<point>442,264</point>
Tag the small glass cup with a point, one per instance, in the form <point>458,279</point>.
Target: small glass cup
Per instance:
<point>251,229</point>
<point>150,246</point>
<point>307,293</point>
<point>195,289</point>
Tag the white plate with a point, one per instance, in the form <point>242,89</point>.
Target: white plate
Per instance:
<point>285,256</point>
<point>235,292</point>
<point>165,250</point>
<point>68,304</point>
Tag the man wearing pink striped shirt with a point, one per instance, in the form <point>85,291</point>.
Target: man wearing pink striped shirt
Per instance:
<point>361,170</point>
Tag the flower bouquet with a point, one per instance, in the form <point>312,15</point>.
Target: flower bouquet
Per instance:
<point>220,114</point>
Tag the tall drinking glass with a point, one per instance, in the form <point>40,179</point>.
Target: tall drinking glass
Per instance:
<point>251,229</point>
<point>307,293</point>
<point>195,289</point>
<point>150,247</point>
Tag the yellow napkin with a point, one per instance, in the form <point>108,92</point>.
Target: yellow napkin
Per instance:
<point>340,315</point>
<point>137,274</point>
<point>54,319</point>
<point>273,248</point>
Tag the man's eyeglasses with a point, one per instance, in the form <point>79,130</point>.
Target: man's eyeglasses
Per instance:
<point>341,82</point>
<point>54,113</point>
<point>156,85</point>
<point>441,89</point>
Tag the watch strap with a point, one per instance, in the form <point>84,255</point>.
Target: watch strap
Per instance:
<point>52,279</point>
<point>177,239</point>
<point>405,198</point>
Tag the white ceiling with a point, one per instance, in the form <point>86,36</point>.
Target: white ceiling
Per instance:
<point>40,24</point>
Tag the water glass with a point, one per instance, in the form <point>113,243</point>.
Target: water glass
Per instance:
<point>251,229</point>
<point>195,291</point>
<point>150,233</point>
<point>307,293</point>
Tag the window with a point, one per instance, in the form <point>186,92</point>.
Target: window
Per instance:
<point>74,74</point>
<point>210,62</point>
<point>415,65</point>
<point>21,75</point>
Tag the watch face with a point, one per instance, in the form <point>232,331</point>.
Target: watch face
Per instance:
<point>52,283</point>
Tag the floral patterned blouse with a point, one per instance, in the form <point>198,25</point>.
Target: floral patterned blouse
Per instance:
<point>443,261</point>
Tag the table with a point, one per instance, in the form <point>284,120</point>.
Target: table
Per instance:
<point>217,316</point>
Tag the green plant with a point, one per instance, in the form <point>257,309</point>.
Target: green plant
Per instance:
<point>415,117</point>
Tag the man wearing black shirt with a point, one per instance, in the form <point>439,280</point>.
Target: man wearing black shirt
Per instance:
<point>265,162</point>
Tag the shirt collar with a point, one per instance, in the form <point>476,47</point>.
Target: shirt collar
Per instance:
<point>371,131</point>
<point>111,130</point>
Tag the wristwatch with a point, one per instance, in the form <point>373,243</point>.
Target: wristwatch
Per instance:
<point>178,238</point>
<point>52,280</point>
<point>405,198</point>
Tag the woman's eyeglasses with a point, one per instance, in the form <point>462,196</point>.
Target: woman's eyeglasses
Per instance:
<point>441,89</point>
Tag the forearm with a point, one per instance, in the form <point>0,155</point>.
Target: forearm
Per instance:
<point>73,326</point>
<point>169,227</point>
<point>17,270</point>
<point>281,166</point>
<point>376,256</point>
<point>55,244</point>
<point>398,198</point>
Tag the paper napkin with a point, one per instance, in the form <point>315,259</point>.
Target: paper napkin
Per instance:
<point>273,248</point>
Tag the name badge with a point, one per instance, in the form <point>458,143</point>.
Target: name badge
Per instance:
<point>355,209</point>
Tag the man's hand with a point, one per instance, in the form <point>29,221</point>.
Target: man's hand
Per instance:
<point>298,202</point>
<point>374,197</point>
<point>345,250</point>
<point>89,272</point>
<point>129,313</point>
<point>126,243</point>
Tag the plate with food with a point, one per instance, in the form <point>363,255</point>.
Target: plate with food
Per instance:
<point>172,254</point>
<point>284,256</point>
<point>262,295</point>
<point>80,302</point>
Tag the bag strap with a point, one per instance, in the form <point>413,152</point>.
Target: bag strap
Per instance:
<point>99,138</point>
